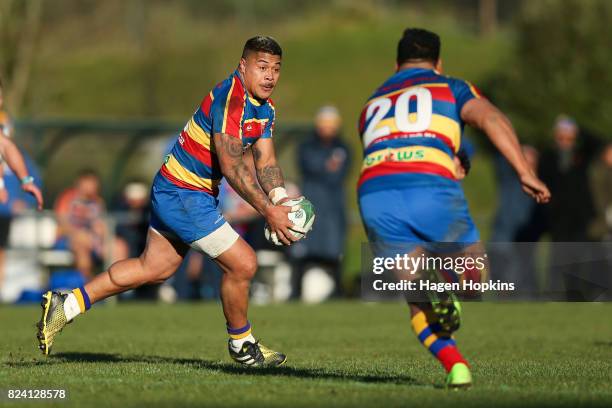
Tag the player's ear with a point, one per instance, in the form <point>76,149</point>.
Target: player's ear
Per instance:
<point>242,65</point>
<point>439,65</point>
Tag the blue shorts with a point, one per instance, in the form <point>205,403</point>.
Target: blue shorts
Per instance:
<point>187,214</point>
<point>428,216</point>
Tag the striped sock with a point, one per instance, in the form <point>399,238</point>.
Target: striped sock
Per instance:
<point>76,303</point>
<point>239,336</point>
<point>439,343</point>
<point>82,298</point>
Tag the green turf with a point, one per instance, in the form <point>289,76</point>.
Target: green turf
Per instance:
<point>340,354</point>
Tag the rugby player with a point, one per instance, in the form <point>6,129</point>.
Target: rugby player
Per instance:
<point>14,159</point>
<point>409,190</point>
<point>10,153</point>
<point>237,114</point>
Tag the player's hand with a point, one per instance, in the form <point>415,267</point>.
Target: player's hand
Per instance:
<point>35,191</point>
<point>4,195</point>
<point>535,188</point>
<point>463,164</point>
<point>460,172</point>
<point>279,223</point>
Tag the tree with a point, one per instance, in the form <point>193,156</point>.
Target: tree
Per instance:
<point>20,24</point>
<point>561,65</point>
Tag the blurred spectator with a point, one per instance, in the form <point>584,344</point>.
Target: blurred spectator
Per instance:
<point>132,220</point>
<point>565,169</point>
<point>517,219</point>
<point>132,224</point>
<point>515,208</point>
<point>324,162</point>
<point>81,227</point>
<point>601,185</point>
<point>601,227</point>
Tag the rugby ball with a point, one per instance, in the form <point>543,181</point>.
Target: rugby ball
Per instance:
<point>303,217</point>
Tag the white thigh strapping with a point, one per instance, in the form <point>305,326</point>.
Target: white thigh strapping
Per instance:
<point>217,242</point>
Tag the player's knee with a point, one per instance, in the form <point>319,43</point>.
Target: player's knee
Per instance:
<point>247,266</point>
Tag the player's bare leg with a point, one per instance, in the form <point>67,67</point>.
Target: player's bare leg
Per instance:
<point>158,262</point>
<point>474,273</point>
<point>425,323</point>
<point>435,322</point>
<point>239,264</point>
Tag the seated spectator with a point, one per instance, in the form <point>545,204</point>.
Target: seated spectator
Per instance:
<point>81,228</point>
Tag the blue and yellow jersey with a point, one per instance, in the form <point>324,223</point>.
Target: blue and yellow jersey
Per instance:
<point>411,128</point>
<point>229,109</point>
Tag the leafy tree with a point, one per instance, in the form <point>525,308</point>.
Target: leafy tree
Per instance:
<point>562,64</point>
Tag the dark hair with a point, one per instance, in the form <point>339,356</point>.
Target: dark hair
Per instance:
<point>418,44</point>
<point>88,172</point>
<point>262,44</point>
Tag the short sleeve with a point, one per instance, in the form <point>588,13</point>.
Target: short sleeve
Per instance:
<point>464,91</point>
<point>269,129</point>
<point>227,110</point>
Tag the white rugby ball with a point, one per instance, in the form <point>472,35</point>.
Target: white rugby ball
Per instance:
<point>303,217</point>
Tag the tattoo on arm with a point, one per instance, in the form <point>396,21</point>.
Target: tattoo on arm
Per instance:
<point>269,175</point>
<point>229,150</point>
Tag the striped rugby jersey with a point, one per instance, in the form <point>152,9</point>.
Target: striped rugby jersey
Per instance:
<point>411,128</point>
<point>228,108</point>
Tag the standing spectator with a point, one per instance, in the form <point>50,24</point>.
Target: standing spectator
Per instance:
<point>564,168</point>
<point>517,219</point>
<point>601,185</point>
<point>601,228</point>
<point>81,228</point>
<point>515,207</point>
<point>324,161</point>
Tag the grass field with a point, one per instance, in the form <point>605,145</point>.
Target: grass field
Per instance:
<point>344,354</point>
